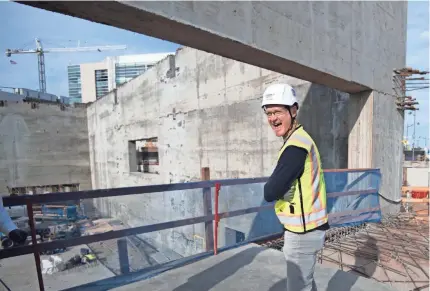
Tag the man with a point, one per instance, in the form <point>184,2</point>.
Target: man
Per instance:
<point>298,187</point>
<point>9,228</point>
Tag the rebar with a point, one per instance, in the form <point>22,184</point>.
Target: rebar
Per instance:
<point>405,248</point>
<point>340,233</point>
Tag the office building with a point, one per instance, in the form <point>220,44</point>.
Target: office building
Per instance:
<point>90,81</point>
<point>74,77</point>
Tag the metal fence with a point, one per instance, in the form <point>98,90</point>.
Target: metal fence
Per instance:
<point>347,191</point>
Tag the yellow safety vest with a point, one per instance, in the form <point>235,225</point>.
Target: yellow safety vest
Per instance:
<point>306,209</point>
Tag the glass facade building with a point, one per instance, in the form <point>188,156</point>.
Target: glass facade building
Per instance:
<point>89,82</point>
<point>74,77</point>
<point>102,85</point>
<point>126,72</point>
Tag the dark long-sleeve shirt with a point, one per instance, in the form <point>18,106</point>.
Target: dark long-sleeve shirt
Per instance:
<point>290,166</point>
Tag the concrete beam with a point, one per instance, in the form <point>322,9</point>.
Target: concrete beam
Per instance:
<point>293,39</point>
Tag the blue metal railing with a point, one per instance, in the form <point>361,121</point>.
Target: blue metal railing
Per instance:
<point>348,200</point>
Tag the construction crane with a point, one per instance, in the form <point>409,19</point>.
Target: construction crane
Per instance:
<point>40,51</point>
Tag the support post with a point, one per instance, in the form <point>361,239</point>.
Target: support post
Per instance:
<point>217,188</point>
<point>207,207</point>
<point>34,241</point>
<point>124,264</point>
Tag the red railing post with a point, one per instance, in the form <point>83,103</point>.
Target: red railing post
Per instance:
<point>34,241</point>
<point>217,188</point>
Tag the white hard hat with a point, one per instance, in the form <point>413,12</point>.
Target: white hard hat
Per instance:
<point>279,94</point>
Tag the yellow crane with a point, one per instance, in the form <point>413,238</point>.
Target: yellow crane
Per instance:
<point>40,51</point>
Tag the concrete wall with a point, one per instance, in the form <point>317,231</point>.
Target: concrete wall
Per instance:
<point>208,114</point>
<point>43,146</point>
<point>6,96</point>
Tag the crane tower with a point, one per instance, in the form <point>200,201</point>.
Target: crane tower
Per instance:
<point>40,51</point>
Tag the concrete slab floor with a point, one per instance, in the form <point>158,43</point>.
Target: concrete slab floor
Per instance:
<point>250,267</point>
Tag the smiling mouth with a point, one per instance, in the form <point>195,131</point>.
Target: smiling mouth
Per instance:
<point>276,125</point>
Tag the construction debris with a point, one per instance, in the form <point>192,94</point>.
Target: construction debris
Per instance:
<point>55,263</point>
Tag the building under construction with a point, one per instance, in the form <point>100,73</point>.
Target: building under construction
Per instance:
<point>171,165</point>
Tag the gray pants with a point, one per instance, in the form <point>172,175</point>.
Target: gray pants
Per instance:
<point>301,251</point>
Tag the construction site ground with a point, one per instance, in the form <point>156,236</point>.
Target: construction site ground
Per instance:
<point>140,256</point>
<point>138,252</point>
<point>19,273</point>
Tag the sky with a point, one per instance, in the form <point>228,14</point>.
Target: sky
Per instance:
<point>22,24</point>
<point>417,56</point>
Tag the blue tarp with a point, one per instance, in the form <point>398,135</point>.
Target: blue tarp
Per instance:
<point>353,197</point>
<point>71,211</point>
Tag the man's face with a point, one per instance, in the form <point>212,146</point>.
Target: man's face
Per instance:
<point>279,118</point>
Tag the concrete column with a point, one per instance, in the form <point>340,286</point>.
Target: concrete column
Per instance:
<point>360,114</point>
<point>387,148</point>
<point>376,131</point>
<point>110,65</point>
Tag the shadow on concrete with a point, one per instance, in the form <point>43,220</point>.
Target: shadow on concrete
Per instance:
<point>201,281</point>
<point>364,266</point>
<point>281,285</point>
<point>293,273</point>
<point>214,275</point>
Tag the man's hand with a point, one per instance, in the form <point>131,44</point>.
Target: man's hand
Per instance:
<point>18,236</point>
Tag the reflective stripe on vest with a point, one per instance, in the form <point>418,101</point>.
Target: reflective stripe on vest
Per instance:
<point>315,170</point>
<point>312,191</point>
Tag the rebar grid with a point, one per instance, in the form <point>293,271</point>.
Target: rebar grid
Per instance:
<point>399,238</point>
<point>337,234</point>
